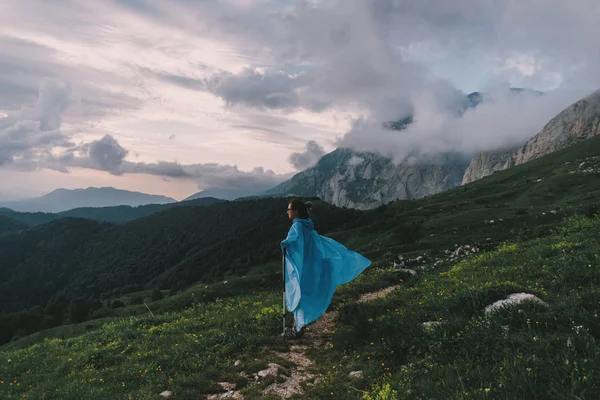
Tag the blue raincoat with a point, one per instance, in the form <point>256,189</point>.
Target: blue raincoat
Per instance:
<point>314,266</point>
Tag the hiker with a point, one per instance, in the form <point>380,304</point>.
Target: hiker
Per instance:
<point>314,266</point>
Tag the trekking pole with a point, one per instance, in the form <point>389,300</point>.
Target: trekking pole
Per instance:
<point>283,305</point>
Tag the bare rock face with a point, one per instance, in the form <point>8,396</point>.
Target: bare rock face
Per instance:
<point>367,180</point>
<point>488,162</point>
<point>578,122</point>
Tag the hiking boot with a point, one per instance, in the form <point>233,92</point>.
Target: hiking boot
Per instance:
<point>292,333</point>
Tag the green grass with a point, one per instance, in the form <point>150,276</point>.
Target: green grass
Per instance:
<point>528,351</point>
<point>140,357</point>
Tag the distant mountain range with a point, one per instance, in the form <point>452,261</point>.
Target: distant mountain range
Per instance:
<point>67,199</point>
<point>224,194</point>
<point>13,220</point>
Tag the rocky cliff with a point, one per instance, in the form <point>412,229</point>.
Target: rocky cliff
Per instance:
<point>578,122</point>
<point>367,180</point>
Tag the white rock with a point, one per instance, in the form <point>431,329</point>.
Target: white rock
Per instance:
<point>237,363</point>
<point>408,271</point>
<point>226,385</point>
<point>273,365</point>
<point>356,374</point>
<point>511,300</point>
<point>166,394</point>
<point>273,370</point>
<point>267,372</point>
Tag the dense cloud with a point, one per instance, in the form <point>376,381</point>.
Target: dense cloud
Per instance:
<point>108,155</point>
<point>151,67</point>
<point>309,157</point>
<point>376,55</point>
<point>504,119</point>
<point>274,90</point>
<point>105,154</point>
<point>25,133</point>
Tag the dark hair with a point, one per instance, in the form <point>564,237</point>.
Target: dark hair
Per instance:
<point>301,208</point>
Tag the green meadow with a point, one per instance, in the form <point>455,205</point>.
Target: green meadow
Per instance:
<point>539,234</point>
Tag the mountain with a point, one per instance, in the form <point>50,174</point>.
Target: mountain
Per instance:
<point>577,122</point>
<point>5,198</point>
<point>367,180</point>
<point>17,193</point>
<point>224,193</point>
<point>10,225</point>
<point>116,214</point>
<point>66,199</point>
<point>123,214</point>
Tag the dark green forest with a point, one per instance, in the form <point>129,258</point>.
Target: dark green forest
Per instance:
<point>67,269</point>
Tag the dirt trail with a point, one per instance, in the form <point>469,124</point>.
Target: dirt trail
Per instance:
<point>316,336</point>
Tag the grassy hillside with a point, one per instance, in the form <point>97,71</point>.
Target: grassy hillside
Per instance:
<point>527,351</point>
<point>542,229</point>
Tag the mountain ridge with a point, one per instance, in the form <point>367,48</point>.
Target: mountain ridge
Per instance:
<point>113,214</point>
<point>577,122</point>
<point>224,193</point>
<point>366,180</point>
<point>61,199</point>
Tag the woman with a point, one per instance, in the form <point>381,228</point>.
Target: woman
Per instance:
<point>314,266</point>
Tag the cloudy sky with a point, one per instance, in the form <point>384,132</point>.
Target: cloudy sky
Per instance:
<point>172,97</point>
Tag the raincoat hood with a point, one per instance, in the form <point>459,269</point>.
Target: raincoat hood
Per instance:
<point>308,224</point>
